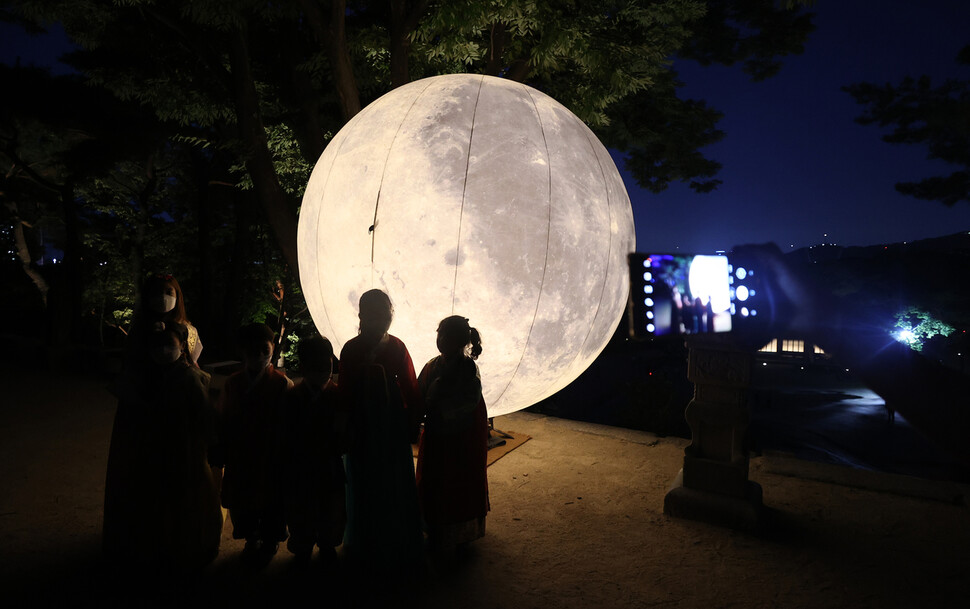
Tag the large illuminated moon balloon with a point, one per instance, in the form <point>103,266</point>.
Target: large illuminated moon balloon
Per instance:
<point>476,196</point>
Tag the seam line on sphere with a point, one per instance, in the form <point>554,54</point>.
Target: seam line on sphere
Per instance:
<point>464,185</point>
<point>377,203</point>
<point>545,264</point>
<point>609,249</point>
<point>318,211</point>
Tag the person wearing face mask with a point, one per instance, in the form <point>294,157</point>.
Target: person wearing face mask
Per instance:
<point>160,305</point>
<point>251,419</point>
<point>161,505</point>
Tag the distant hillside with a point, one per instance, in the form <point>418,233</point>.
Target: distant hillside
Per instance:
<point>932,274</point>
<point>957,242</point>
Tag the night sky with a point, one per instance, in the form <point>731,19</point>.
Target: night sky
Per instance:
<point>796,165</point>
<point>797,170</point>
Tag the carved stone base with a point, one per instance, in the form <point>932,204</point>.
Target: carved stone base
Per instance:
<point>742,513</point>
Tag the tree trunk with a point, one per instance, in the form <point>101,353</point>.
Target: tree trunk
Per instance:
<point>23,253</point>
<point>242,253</point>
<point>309,131</point>
<point>399,45</point>
<point>276,205</point>
<point>496,49</point>
<point>519,70</point>
<point>332,33</point>
<point>203,218</point>
<point>72,262</point>
<point>403,22</point>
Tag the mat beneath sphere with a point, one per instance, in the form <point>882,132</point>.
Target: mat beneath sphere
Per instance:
<point>500,443</point>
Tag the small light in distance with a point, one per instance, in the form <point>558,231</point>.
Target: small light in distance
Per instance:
<point>648,289</point>
<point>648,302</point>
<point>649,314</point>
<point>650,327</point>
<point>648,276</point>
<point>741,272</point>
<point>744,311</point>
<point>741,293</point>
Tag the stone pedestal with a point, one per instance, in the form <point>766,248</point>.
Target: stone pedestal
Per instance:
<point>713,486</point>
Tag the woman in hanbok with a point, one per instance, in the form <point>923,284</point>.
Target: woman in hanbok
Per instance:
<point>379,389</point>
<point>452,454</point>
<point>161,504</point>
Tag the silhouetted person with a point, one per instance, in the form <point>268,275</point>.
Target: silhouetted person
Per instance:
<point>161,506</point>
<point>690,315</point>
<point>251,446</point>
<point>677,312</point>
<point>452,454</point>
<point>709,315</point>
<point>315,440</point>
<point>160,304</point>
<point>378,386</point>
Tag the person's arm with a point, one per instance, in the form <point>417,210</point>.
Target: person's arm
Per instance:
<point>414,401</point>
<point>197,351</point>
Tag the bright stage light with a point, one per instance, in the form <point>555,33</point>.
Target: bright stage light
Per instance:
<point>476,196</point>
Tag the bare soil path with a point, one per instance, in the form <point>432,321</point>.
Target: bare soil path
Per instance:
<point>577,521</point>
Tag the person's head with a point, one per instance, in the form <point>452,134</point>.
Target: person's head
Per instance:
<point>316,359</point>
<point>162,295</point>
<point>375,314</point>
<point>456,337</point>
<point>167,346</point>
<point>256,343</point>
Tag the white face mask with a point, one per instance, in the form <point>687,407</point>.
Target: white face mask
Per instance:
<point>163,303</point>
<point>166,355</point>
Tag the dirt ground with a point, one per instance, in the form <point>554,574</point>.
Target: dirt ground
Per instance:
<point>577,521</point>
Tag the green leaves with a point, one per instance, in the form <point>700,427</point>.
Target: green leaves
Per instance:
<point>915,326</point>
<point>918,113</point>
<point>292,168</point>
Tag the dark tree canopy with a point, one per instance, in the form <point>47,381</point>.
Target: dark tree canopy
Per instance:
<point>935,117</point>
<point>227,105</point>
<point>249,76</point>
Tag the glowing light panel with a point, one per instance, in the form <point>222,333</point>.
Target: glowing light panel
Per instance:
<point>707,279</point>
<point>477,196</point>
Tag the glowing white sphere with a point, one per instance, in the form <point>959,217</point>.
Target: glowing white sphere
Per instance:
<point>476,196</point>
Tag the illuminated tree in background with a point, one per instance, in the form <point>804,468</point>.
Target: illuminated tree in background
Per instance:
<point>914,327</point>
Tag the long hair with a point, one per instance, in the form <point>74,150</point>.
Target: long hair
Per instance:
<point>156,283</point>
